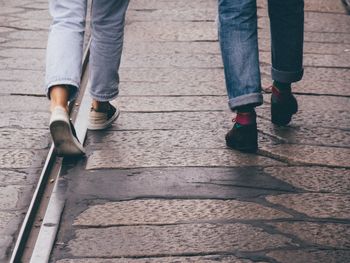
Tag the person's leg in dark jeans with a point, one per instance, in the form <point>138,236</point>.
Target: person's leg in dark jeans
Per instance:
<point>287,37</point>
<point>239,49</point>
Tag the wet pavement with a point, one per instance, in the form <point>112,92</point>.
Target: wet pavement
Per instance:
<point>161,186</point>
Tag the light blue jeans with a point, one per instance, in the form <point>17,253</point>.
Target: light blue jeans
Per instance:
<point>65,46</point>
<point>239,46</point>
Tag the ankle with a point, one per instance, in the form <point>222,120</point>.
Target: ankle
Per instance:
<point>100,106</point>
<point>282,87</point>
<point>246,118</point>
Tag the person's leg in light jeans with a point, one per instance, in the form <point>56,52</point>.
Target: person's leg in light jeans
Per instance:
<point>239,47</point>
<point>65,45</point>
<point>108,19</point>
<point>64,64</point>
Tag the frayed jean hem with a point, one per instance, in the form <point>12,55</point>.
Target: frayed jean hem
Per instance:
<point>104,97</point>
<point>254,99</point>
<point>286,76</point>
<point>72,86</point>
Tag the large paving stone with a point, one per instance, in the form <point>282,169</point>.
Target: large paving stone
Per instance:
<point>178,14</point>
<point>165,104</point>
<point>327,235</point>
<point>9,196</point>
<point>316,205</point>
<point>310,112</point>
<point>24,138</point>
<point>172,240</point>
<point>306,135</point>
<point>300,256</point>
<point>25,120</point>
<point>157,212</point>
<point>156,75</point>
<point>242,183</point>
<point>23,54</point>
<point>152,5</point>
<point>24,104</point>
<point>309,154</point>
<point>177,60</point>
<point>6,218</point>
<point>10,177</point>
<point>199,259</point>
<point>316,179</point>
<point>172,31</point>
<point>173,121</point>
<point>130,157</point>
<point>173,88</point>
<point>20,158</point>
<point>158,139</point>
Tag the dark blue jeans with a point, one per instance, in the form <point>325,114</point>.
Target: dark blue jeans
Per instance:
<point>239,46</point>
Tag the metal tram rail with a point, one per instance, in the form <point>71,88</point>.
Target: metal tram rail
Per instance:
<point>39,228</point>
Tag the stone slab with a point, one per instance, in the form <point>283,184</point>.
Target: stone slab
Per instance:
<point>24,104</point>
<point>315,179</point>
<point>129,157</point>
<point>198,259</point>
<point>309,154</point>
<point>166,104</point>
<point>173,120</point>
<point>25,120</point>
<point>312,256</point>
<point>326,235</point>
<point>317,136</point>
<point>151,5</point>
<point>188,139</point>
<point>10,177</point>
<point>6,218</point>
<point>141,241</point>
<point>24,138</point>
<point>310,115</point>
<point>243,183</point>
<point>159,212</point>
<point>20,158</point>
<point>334,206</point>
<point>9,196</point>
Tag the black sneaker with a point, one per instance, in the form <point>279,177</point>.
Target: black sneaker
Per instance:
<point>283,107</point>
<point>243,138</point>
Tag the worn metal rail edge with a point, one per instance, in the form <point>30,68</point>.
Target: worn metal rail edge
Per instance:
<point>34,244</point>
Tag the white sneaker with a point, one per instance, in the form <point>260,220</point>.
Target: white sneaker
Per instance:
<point>63,134</point>
<point>99,120</point>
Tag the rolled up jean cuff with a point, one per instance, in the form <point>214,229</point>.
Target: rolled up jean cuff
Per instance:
<point>71,84</point>
<point>254,99</point>
<point>105,97</point>
<point>286,76</point>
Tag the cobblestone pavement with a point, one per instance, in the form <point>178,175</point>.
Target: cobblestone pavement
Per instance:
<point>160,185</point>
<point>24,113</point>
